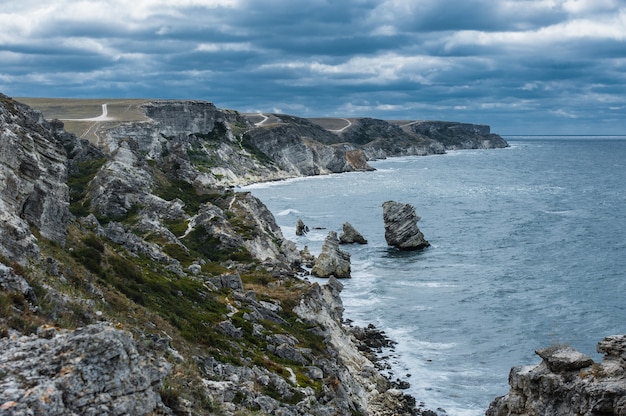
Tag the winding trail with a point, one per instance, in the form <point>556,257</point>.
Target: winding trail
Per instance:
<point>102,117</point>
<point>410,123</point>
<point>344,127</point>
<point>265,118</point>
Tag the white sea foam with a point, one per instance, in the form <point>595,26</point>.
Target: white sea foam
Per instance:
<point>287,212</point>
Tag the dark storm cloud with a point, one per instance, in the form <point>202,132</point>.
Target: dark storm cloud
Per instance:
<point>519,65</point>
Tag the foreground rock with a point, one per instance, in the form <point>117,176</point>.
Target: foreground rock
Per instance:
<point>350,235</point>
<point>401,229</point>
<point>93,370</point>
<point>332,261</point>
<point>567,382</point>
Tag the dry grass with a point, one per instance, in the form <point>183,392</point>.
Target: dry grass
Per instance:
<point>71,110</point>
<point>330,123</point>
<point>76,108</point>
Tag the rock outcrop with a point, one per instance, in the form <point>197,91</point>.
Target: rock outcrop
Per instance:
<point>332,261</point>
<point>33,176</point>
<point>567,382</point>
<point>94,370</point>
<point>350,235</point>
<point>401,229</point>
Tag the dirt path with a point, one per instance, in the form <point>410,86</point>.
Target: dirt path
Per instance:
<point>344,127</point>
<point>265,118</point>
<point>102,117</point>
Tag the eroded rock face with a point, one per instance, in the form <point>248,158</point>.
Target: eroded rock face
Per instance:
<point>93,370</point>
<point>401,229</point>
<point>332,261</point>
<point>33,177</point>
<point>567,382</point>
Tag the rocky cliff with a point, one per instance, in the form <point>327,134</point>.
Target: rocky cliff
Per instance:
<point>33,175</point>
<point>567,382</point>
<point>455,136</point>
<point>133,280</point>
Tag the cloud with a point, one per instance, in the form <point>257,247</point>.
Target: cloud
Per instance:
<point>514,64</point>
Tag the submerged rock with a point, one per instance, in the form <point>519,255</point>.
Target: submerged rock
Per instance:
<point>401,226</point>
<point>332,261</point>
<point>350,235</point>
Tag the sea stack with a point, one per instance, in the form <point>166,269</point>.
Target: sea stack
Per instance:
<point>401,227</point>
<point>332,261</point>
<point>350,235</point>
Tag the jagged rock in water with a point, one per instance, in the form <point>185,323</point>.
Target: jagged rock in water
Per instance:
<point>92,370</point>
<point>350,235</point>
<point>332,261</point>
<point>567,382</point>
<point>301,228</point>
<point>401,229</point>
<point>33,176</point>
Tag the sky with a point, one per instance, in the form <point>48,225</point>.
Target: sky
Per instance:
<point>521,66</point>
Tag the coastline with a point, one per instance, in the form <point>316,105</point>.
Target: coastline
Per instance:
<point>150,225</point>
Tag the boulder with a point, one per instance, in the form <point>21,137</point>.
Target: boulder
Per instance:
<point>332,261</point>
<point>350,235</point>
<point>560,358</point>
<point>401,226</point>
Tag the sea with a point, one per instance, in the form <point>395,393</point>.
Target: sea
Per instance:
<point>528,250</point>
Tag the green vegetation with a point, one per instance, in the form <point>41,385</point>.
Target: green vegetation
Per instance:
<point>78,183</point>
<point>186,192</point>
<point>218,133</point>
<point>247,144</point>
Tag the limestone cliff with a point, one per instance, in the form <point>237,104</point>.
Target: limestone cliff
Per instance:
<point>33,174</point>
<point>455,136</point>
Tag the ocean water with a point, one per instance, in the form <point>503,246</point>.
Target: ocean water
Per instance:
<point>528,249</point>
